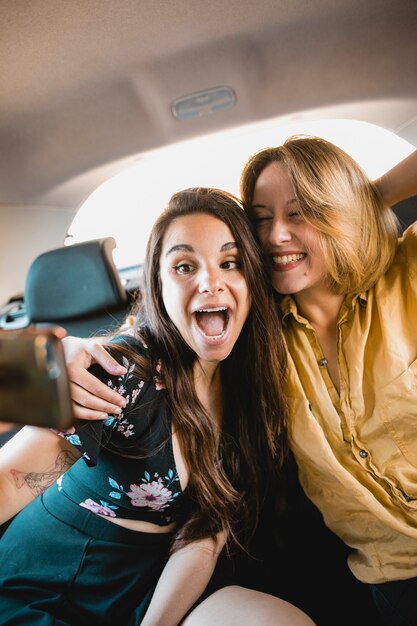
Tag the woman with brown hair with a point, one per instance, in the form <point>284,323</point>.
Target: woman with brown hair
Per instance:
<point>157,490</point>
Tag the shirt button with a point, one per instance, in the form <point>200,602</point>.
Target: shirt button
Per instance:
<point>363,454</point>
<point>323,362</point>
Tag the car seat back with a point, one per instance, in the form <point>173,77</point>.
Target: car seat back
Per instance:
<point>77,287</point>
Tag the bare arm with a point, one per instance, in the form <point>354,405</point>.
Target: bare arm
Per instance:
<point>400,182</point>
<point>182,581</point>
<point>92,399</point>
<point>29,463</point>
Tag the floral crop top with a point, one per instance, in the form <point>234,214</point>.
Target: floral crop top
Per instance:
<point>117,476</point>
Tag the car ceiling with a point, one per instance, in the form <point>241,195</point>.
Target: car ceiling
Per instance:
<point>87,85</point>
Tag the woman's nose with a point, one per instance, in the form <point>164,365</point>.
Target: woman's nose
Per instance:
<point>279,232</point>
<point>211,281</point>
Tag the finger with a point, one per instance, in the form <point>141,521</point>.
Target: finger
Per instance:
<point>59,332</point>
<point>103,358</point>
<point>81,413</point>
<point>97,396</point>
<point>87,400</point>
<point>78,375</point>
<point>84,352</point>
<point>73,347</point>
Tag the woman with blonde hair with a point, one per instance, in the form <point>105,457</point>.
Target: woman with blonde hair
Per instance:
<point>346,284</point>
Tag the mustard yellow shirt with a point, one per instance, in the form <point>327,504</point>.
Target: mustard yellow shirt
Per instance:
<point>357,452</point>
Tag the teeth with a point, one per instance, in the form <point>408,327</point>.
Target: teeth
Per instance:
<point>288,258</point>
<point>213,310</point>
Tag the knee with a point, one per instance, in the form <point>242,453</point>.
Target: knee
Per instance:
<point>237,606</point>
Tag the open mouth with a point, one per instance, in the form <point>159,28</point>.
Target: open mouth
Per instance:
<point>212,322</point>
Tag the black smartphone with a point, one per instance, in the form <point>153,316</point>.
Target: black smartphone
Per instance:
<point>34,386</point>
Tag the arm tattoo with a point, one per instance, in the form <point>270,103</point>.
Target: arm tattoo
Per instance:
<point>39,481</point>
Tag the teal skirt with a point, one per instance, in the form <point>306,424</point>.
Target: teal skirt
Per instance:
<point>62,565</point>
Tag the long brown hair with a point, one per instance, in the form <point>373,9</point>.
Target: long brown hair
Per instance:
<point>358,233</point>
<point>230,473</point>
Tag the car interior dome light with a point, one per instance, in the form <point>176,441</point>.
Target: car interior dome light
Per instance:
<point>203,102</point>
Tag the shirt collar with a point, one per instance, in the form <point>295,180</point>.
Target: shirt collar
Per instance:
<point>288,305</point>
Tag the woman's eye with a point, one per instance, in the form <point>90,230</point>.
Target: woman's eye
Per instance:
<point>295,215</point>
<point>258,219</point>
<point>183,268</point>
<point>232,265</point>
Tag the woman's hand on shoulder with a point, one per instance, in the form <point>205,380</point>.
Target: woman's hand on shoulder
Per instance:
<point>91,398</point>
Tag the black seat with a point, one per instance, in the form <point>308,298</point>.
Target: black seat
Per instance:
<point>77,287</point>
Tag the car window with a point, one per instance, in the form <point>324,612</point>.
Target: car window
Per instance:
<point>138,194</point>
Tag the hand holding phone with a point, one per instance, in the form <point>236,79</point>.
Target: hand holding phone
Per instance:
<point>34,386</point>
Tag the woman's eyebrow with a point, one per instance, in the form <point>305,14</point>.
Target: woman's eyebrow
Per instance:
<point>263,206</point>
<point>182,247</point>
<point>185,247</point>
<point>231,245</point>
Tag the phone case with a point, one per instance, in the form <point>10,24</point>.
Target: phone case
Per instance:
<point>34,386</point>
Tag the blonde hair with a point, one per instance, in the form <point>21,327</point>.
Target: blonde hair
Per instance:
<point>358,233</point>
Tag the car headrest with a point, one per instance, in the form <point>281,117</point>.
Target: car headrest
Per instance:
<point>74,281</point>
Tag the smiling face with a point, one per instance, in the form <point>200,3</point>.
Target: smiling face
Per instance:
<point>203,285</point>
<point>290,245</point>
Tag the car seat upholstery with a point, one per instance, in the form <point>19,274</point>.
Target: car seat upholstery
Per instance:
<point>77,287</point>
